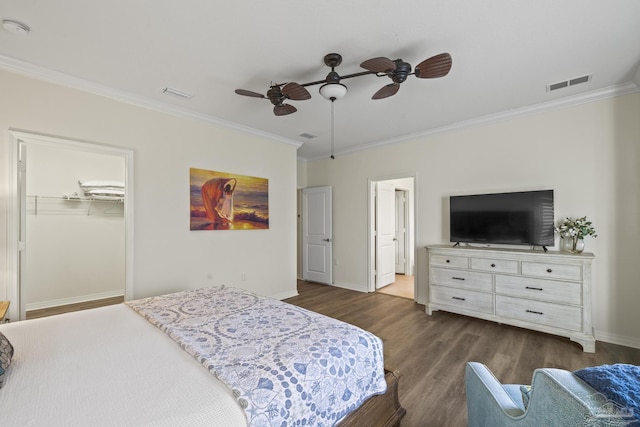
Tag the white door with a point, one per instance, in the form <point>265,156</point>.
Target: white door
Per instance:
<point>401,231</point>
<point>385,234</point>
<point>317,248</point>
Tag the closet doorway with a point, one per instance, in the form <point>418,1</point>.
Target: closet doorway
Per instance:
<point>70,218</point>
<point>397,261</point>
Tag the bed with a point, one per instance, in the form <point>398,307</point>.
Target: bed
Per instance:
<point>196,358</point>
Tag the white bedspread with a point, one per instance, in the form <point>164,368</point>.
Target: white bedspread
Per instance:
<point>288,366</point>
<point>107,367</point>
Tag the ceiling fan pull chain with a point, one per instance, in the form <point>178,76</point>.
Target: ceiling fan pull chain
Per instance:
<point>332,126</point>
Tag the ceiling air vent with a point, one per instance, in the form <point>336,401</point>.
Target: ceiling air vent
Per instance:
<point>567,83</point>
<point>557,86</point>
<point>177,93</point>
<point>579,80</point>
<point>308,135</point>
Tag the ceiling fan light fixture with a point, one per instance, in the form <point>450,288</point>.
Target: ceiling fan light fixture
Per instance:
<point>333,91</point>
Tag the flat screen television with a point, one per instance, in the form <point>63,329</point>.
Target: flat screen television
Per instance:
<point>519,218</point>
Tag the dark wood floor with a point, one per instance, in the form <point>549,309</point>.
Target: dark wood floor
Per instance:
<point>431,351</point>
<point>50,311</point>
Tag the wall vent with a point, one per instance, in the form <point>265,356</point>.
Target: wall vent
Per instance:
<point>308,135</point>
<point>567,83</point>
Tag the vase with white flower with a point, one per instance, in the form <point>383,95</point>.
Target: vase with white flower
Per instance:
<point>573,231</point>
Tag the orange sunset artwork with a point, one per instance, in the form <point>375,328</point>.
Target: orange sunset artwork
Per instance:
<point>225,201</point>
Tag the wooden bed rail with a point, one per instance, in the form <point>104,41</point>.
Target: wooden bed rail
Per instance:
<point>379,411</point>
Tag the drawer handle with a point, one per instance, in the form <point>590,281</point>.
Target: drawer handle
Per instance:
<point>493,265</point>
<point>458,278</point>
<point>549,270</point>
<point>535,312</point>
<point>459,299</point>
<point>448,261</point>
<point>534,289</point>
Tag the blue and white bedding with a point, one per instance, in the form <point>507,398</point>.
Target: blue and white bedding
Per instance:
<point>620,383</point>
<point>107,367</point>
<point>286,365</point>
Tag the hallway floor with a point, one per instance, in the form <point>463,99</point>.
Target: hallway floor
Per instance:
<point>402,287</point>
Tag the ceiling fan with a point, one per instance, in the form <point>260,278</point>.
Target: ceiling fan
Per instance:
<point>397,70</point>
<point>277,95</point>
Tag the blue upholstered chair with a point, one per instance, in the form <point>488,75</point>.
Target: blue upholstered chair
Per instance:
<point>556,398</point>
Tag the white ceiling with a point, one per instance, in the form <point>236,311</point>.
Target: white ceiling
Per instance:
<point>505,53</point>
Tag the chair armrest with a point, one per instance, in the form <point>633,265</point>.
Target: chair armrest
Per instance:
<point>565,382</point>
<point>558,398</point>
<point>487,401</point>
<point>573,400</point>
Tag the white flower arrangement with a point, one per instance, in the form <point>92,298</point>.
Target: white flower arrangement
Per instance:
<point>578,228</point>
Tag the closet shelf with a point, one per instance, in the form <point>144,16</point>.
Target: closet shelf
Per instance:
<point>76,198</point>
<point>95,198</point>
<point>34,208</point>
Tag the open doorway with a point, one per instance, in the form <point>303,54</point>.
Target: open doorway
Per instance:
<point>73,245</point>
<point>392,236</point>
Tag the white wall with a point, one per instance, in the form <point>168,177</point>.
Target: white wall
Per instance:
<point>167,256</point>
<point>589,154</point>
<point>302,174</point>
<point>75,249</point>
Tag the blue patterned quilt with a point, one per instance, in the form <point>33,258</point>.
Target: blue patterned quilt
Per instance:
<point>620,383</point>
<point>287,366</point>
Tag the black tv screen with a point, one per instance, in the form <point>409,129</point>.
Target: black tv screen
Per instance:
<point>520,218</point>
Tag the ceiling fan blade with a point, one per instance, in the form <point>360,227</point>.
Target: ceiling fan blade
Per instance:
<point>386,91</point>
<point>379,65</point>
<point>295,92</point>
<point>244,92</point>
<point>436,66</point>
<point>284,109</point>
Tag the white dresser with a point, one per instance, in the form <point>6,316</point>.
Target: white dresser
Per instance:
<point>548,292</point>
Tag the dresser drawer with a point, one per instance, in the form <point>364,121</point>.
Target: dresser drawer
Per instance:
<point>462,279</point>
<point>552,271</point>
<point>495,265</point>
<point>449,261</point>
<point>540,289</point>
<point>462,298</point>
<point>543,313</point>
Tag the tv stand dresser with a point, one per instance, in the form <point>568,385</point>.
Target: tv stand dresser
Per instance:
<point>548,292</point>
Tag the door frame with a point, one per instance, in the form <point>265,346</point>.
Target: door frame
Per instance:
<point>405,220</point>
<point>371,244</point>
<point>16,138</point>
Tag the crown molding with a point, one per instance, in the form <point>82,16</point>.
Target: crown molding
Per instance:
<point>569,101</point>
<point>41,73</point>
<point>63,79</point>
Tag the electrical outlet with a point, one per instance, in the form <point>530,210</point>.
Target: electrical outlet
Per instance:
<point>243,277</point>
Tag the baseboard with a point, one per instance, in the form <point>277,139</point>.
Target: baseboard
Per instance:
<point>351,286</point>
<point>618,339</point>
<point>285,295</point>
<point>73,300</point>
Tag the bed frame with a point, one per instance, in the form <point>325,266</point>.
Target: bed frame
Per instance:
<point>379,411</point>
